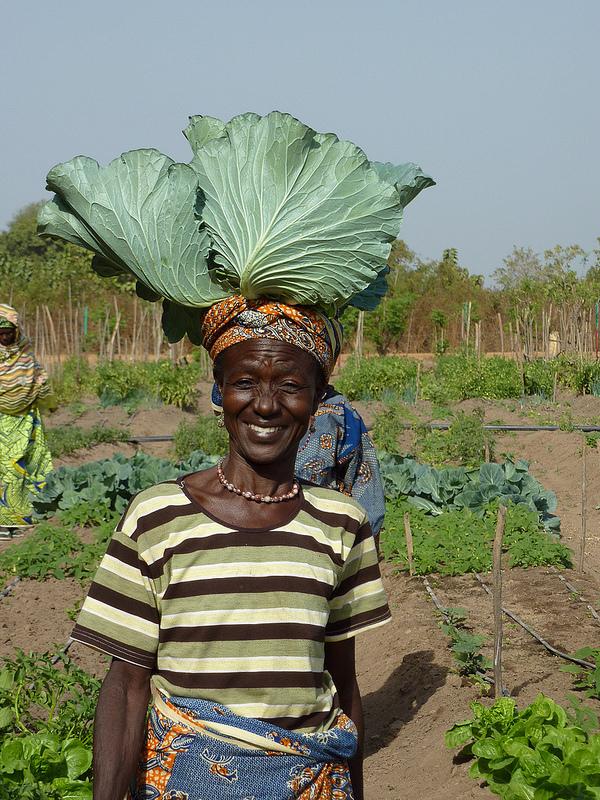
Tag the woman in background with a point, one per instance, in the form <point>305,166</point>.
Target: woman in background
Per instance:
<point>24,455</point>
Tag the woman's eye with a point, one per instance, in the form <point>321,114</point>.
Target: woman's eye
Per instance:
<point>243,383</point>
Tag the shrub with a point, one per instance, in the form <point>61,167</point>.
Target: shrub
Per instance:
<point>388,377</point>
<point>66,439</point>
<point>538,376</point>
<point>459,377</point>
<point>465,443</point>
<point>202,434</point>
<point>389,424</point>
<point>74,380</point>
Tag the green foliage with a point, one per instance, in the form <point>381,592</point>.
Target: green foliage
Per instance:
<point>534,754</point>
<point>464,443</point>
<point>73,381</point>
<point>459,542</point>
<point>389,424</point>
<point>56,551</point>
<point>389,377</point>
<point>465,645</point>
<point>586,679</point>
<point>123,383</point>
<point>110,483</point>
<point>46,714</point>
<point>202,434</point>
<point>385,325</point>
<point>459,377</point>
<point>453,488</point>
<point>538,376</point>
<point>66,439</point>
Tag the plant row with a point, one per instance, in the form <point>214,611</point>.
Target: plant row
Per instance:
<point>129,383</point>
<point>457,377</point>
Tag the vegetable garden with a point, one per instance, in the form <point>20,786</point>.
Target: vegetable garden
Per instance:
<point>427,678</point>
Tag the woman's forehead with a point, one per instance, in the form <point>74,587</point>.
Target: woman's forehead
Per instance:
<point>261,352</point>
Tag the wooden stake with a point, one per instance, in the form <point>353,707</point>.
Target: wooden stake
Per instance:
<point>501,329</point>
<point>497,595</point>
<point>409,543</point>
<point>583,506</point>
<point>418,382</point>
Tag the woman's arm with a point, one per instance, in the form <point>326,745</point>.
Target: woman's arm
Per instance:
<point>340,663</point>
<point>119,728</point>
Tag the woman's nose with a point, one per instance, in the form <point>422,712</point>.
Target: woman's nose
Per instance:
<point>265,403</point>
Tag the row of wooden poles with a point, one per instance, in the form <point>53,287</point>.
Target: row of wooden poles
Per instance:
<point>568,328</point>
<point>113,334</point>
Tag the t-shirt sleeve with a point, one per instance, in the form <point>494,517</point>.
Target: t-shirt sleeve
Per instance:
<point>359,601</point>
<point>119,616</point>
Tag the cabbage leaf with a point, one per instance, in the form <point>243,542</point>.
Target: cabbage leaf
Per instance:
<point>267,207</point>
<point>139,215</point>
<point>292,213</point>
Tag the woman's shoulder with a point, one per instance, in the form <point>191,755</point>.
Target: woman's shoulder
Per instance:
<point>153,506</point>
<point>332,502</point>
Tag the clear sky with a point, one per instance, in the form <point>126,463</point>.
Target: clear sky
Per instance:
<point>498,101</point>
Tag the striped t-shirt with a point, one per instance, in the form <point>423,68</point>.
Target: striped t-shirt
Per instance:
<point>237,615</point>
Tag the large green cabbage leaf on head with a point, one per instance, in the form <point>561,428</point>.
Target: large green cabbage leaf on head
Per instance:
<point>267,207</point>
<point>292,213</point>
<point>138,214</point>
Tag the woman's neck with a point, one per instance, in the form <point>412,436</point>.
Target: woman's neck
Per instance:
<point>264,479</point>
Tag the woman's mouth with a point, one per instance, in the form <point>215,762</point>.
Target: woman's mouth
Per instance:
<point>264,430</point>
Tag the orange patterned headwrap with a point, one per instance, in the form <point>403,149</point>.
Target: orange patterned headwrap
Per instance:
<point>236,319</point>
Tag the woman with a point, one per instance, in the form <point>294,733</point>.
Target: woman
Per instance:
<point>24,455</point>
<point>233,596</point>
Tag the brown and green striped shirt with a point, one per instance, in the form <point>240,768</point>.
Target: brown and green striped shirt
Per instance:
<point>238,616</point>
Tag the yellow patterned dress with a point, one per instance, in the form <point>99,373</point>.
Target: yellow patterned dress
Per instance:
<point>24,455</point>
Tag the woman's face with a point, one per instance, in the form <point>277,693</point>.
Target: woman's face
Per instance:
<point>7,336</point>
<point>270,390</point>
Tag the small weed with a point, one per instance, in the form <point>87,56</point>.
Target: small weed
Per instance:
<point>465,443</point>
<point>202,434</point>
<point>587,680</point>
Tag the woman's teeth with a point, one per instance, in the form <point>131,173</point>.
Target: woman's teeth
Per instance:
<point>262,431</point>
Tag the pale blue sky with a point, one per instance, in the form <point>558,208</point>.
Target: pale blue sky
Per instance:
<point>497,100</point>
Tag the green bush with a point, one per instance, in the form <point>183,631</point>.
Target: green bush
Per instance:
<point>74,380</point>
<point>202,434</point>
<point>123,383</point>
<point>458,542</point>
<point>459,377</point>
<point>66,439</point>
<point>389,424</point>
<point>388,377</point>
<point>538,376</point>
<point>464,443</point>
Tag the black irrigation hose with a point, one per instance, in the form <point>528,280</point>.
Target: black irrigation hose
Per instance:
<point>9,587</point>
<point>576,591</point>
<point>444,614</point>
<point>535,635</point>
<point>439,426</point>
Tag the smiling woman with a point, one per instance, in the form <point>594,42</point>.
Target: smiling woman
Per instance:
<point>232,596</point>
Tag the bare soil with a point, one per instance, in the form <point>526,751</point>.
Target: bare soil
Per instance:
<point>411,692</point>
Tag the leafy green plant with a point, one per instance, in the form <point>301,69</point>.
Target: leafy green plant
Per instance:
<point>66,439</point>
<point>464,443</point>
<point>587,680</point>
<point>202,434</point>
<point>56,551</point>
<point>436,490</point>
<point>74,380</point>
<point>389,377</point>
<point>133,384</point>
<point>464,644</point>
<point>46,714</point>
<point>532,754</point>
<point>109,483</point>
<point>539,376</point>
<point>458,377</point>
<point>389,424</point>
<point>458,542</point>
